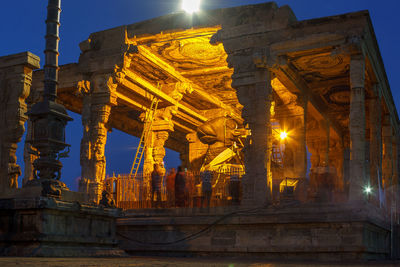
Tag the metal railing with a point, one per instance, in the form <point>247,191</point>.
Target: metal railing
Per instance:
<point>136,193</point>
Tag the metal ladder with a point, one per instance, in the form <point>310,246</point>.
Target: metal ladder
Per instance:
<point>144,138</point>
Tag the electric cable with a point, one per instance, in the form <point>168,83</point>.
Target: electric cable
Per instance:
<point>194,235</point>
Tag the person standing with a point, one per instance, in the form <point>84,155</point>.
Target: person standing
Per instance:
<point>156,180</point>
<point>180,188</point>
<point>171,187</point>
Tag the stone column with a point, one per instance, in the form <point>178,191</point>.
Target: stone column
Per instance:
<point>15,83</point>
<point>375,117</point>
<point>197,152</point>
<point>357,128</point>
<point>299,136</point>
<point>30,152</point>
<point>161,130</point>
<point>254,93</point>
<point>98,97</point>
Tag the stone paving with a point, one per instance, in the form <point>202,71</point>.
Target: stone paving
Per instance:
<point>164,261</point>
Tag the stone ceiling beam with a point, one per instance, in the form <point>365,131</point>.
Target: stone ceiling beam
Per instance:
<point>179,77</point>
<point>162,96</point>
<point>295,83</point>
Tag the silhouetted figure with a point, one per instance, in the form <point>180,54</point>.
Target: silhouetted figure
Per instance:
<point>106,200</point>
<point>156,185</point>
<point>206,188</point>
<point>180,188</point>
<point>171,187</point>
<point>234,189</point>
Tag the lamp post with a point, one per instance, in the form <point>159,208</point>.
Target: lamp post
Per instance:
<point>49,118</point>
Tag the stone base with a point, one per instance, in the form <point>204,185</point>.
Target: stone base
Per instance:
<point>52,228</point>
<point>296,232</point>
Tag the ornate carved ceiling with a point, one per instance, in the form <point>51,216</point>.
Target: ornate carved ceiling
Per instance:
<point>188,55</point>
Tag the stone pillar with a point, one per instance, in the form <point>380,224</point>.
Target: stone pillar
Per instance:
<point>161,130</point>
<point>336,160</point>
<point>197,152</point>
<point>98,99</point>
<point>254,93</point>
<point>15,83</point>
<point>375,117</point>
<point>29,151</point>
<point>357,128</point>
<point>299,137</point>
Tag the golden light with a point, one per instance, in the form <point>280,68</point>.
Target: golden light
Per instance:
<point>283,135</point>
<point>191,6</point>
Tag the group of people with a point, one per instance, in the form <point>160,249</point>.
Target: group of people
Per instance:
<point>180,187</point>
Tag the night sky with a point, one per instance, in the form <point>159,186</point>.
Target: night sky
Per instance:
<point>22,28</point>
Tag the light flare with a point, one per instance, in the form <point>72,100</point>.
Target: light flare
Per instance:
<point>283,135</point>
<point>368,189</point>
<point>191,6</point>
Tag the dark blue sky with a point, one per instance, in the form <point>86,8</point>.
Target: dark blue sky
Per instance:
<point>22,28</point>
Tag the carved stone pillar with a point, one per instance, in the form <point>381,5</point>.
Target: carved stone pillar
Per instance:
<point>29,151</point>
<point>357,128</point>
<point>98,99</point>
<point>197,152</point>
<point>15,83</point>
<point>255,95</point>
<point>375,117</point>
<point>161,130</point>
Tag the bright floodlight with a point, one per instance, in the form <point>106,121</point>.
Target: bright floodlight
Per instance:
<point>283,135</point>
<point>367,189</point>
<point>191,6</point>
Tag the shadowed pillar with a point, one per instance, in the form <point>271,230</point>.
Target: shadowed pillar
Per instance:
<point>375,114</point>
<point>357,128</point>
<point>15,83</point>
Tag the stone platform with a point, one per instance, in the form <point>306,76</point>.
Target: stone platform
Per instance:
<point>323,232</point>
<point>46,227</point>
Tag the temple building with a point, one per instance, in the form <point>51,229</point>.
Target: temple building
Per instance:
<point>299,113</point>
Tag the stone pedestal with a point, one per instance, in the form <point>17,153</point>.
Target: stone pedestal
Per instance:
<point>312,232</point>
<point>45,227</point>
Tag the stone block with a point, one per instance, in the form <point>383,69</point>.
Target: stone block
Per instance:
<point>54,228</point>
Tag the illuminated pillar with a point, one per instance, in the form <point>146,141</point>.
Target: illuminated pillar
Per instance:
<point>357,128</point>
<point>98,99</point>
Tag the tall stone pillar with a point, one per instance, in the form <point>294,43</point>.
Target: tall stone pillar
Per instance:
<point>375,118</point>
<point>98,98</point>
<point>255,95</point>
<point>15,83</point>
<point>357,128</point>
<point>300,133</point>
